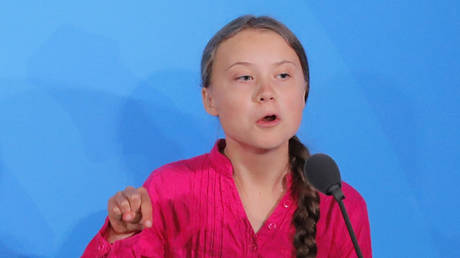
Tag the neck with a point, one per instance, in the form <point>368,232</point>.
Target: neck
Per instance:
<point>258,168</point>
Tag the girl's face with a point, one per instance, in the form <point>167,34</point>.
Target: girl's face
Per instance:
<point>257,89</point>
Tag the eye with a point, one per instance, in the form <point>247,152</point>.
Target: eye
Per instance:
<point>245,78</point>
<point>283,76</point>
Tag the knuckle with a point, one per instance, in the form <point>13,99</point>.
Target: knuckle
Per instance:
<point>115,213</point>
<point>112,202</point>
<point>142,189</point>
<point>120,198</point>
<point>124,203</point>
<point>135,197</point>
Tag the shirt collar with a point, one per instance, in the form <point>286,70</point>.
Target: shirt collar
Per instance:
<point>219,161</point>
<point>223,165</point>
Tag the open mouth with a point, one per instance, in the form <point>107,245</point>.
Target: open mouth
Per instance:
<point>269,118</point>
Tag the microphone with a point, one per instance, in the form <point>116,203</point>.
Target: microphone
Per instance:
<point>322,172</point>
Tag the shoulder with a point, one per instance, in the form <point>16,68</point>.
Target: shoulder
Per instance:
<point>354,202</point>
<point>182,167</point>
<point>353,198</point>
<point>178,176</point>
<point>332,234</point>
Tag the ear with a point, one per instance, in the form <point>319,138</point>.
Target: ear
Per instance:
<point>306,91</point>
<point>208,102</point>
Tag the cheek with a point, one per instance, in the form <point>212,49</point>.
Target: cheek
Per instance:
<point>295,106</point>
<point>231,106</point>
<point>230,99</point>
<point>297,109</point>
<point>233,118</point>
<point>296,97</point>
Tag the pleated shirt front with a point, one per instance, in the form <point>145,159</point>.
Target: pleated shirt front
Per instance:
<point>197,212</point>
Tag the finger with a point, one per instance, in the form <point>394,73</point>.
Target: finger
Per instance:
<point>134,227</point>
<point>122,202</point>
<point>131,215</point>
<point>115,216</point>
<point>113,209</point>
<point>133,197</point>
<point>146,207</point>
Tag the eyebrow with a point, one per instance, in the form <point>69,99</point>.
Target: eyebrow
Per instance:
<point>239,63</point>
<point>250,64</point>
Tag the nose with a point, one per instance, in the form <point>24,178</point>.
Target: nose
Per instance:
<point>266,98</point>
<point>265,93</point>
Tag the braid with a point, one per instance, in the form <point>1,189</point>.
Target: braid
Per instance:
<point>307,214</point>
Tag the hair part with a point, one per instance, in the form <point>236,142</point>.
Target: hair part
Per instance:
<point>307,213</point>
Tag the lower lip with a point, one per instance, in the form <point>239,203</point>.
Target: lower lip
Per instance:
<point>267,124</point>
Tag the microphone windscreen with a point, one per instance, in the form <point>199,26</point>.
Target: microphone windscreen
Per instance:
<point>322,172</point>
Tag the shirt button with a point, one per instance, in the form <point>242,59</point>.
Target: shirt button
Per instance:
<point>286,204</point>
<point>101,247</point>
<point>254,247</point>
<point>271,226</point>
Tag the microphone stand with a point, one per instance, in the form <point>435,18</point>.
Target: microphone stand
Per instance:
<point>339,196</point>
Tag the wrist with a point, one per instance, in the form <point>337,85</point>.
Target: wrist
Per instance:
<point>111,236</point>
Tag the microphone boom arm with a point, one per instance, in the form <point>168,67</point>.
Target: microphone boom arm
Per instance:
<point>339,196</point>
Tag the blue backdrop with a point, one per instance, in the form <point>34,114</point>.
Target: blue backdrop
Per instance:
<point>94,95</point>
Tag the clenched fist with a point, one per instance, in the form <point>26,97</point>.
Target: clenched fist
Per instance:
<point>130,211</point>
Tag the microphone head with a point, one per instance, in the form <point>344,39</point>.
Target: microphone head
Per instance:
<point>322,172</point>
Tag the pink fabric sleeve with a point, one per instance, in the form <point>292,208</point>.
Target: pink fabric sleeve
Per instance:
<point>149,242</point>
<point>146,243</point>
<point>99,246</point>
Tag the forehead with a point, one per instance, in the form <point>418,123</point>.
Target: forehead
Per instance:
<point>255,46</point>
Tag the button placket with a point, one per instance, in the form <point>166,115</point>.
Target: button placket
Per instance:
<point>253,248</point>
<point>271,226</point>
<point>101,247</point>
<point>286,204</point>
<point>254,245</point>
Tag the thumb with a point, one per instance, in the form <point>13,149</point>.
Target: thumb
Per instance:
<point>146,208</point>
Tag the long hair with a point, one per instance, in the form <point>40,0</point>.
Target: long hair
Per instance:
<point>307,214</point>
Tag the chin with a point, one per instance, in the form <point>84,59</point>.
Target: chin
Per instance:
<point>262,141</point>
<point>269,143</point>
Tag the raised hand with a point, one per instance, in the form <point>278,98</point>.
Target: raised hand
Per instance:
<point>130,211</point>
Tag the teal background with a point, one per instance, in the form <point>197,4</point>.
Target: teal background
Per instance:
<point>94,95</point>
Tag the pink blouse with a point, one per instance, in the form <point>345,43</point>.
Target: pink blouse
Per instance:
<point>197,212</point>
